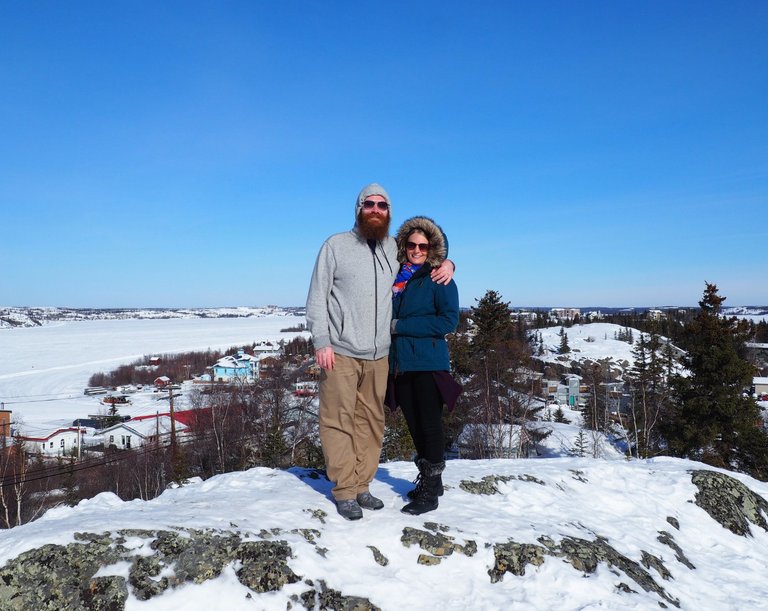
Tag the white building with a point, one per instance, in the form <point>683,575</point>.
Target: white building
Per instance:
<point>140,431</point>
<point>266,348</point>
<point>60,442</point>
<point>564,313</point>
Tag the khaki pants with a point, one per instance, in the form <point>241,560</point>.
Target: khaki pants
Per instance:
<point>352,422</point>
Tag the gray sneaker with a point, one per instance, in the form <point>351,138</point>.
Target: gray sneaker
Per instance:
<point>367,501</point>
<point>349,509</point>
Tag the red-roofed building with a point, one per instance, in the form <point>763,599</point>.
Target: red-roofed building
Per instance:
<point>151,428</point>
<point>59,443</point>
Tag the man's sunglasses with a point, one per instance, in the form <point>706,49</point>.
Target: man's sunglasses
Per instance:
<point>369,205</point>
<point>414,246</point>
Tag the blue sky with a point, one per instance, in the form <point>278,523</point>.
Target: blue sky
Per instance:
<point>198,153</point>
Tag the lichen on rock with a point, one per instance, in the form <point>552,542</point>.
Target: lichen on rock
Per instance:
<point>55,577</point>
<point>488,484</point>
<point>513,557</point>
<point>583,555</point>
<point>436,544</point>
<point>729,502</point>
<point>323,598</point>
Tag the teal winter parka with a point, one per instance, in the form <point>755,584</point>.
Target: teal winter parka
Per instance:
<point>425,311</point>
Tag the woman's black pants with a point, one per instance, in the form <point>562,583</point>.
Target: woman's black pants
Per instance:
<point>422,405</point>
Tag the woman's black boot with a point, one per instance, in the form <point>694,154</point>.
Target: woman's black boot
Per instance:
<point>427,490</point>
<point>420,465</point>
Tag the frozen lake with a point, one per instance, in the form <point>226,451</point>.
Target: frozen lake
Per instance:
<point>43,370</point>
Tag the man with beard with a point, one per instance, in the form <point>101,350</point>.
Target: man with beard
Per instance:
<point>349,310</point>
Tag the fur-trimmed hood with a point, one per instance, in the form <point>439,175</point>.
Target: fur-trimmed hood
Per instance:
<point>438,245</point>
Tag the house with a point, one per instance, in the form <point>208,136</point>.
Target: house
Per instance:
<point>5,423</point>
<point>565,313</point>
<point>266,348</point>
<point>305,389</point>
<point>141,431</point>
<point>655,314</point>
<point>494,441</point>
<point>761,386</point>
<point>58,443</point>
<point>616,399</point>
<point>162,381</point>
<point>241,367</point>
<point>568,391</point>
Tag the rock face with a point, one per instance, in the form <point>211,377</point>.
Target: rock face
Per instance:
<point>729,502</point>
<point>583,556</point>
<point>62,577</point>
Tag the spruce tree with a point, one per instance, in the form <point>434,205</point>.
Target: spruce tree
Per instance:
<point>492,321</point>
<point>648,390</point>
<point>496,360</point>
<point>580,444</point>
<point>711,420</point>
<point>564,347</point>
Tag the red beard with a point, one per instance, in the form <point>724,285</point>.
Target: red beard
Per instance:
<point>373,226</point>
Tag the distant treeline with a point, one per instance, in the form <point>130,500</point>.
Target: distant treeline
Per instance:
<point>177,367</point>
<point>182,366</point>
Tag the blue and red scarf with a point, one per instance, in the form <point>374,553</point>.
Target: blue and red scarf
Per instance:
<point>407,270</point>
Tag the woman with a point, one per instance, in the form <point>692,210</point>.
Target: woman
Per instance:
<point>422,313</point>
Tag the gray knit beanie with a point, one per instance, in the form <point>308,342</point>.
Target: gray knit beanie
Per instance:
<point>373,189</point>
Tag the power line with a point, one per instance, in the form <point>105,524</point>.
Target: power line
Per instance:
<point>91,464</point>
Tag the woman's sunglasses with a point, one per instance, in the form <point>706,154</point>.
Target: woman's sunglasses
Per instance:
<point>414,246</point>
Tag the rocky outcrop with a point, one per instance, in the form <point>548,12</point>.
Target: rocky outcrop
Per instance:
<point>322,597</point>
<point>102,571</point>
<point>436,543</point>
<point>489,483</point>
<point>55,577</point>
<point>582,555</point>
<point>729,502</point>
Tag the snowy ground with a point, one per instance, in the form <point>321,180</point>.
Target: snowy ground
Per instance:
<point>43,370</point>
<point>593,341</point>
<point>626,503</point>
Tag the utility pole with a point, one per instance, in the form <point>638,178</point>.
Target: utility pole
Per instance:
<point>176,464</point>
<point>173,422</point>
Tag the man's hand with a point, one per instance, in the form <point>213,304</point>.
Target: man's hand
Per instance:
<point>325,358</point>
<point>444,273</point>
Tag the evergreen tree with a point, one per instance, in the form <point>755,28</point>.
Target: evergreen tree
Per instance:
<point>580,445</point>
<point>711,420</point>
<point>559,416</point>
<point>495,357</point>
<point>648,390</point>
<point>564,348</point>
<point>492,322</point>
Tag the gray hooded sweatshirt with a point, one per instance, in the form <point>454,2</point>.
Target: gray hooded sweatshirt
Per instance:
<point>349,305</point>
